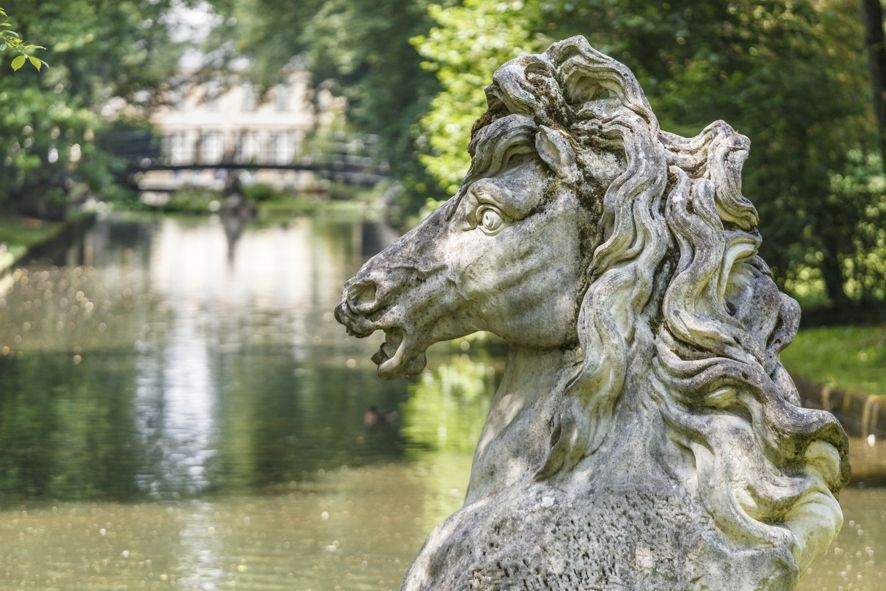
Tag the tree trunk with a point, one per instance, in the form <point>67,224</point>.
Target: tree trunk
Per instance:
<point>832,273</point>
<point>872,15</point>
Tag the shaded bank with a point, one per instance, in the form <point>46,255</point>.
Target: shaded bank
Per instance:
<point>24,237</point>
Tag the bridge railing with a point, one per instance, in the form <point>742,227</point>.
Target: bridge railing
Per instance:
<point>337,157</point>
<point>188,148</point>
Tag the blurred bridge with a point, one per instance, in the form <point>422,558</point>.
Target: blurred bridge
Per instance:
<point>165,164</point>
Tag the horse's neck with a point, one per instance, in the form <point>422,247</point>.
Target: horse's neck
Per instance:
<point>516,434</point>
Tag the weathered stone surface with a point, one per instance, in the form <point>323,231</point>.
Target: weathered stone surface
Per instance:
<point>645,434</point>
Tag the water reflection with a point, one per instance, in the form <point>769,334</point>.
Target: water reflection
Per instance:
<point>449,404</point>
<point>201,563</point>
<point>141,363</point>
<point>170,418</point>
<point>174,399</point>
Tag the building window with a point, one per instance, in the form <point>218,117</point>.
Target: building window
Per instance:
<point>247,147</point>
<point>178,149</point>
<point>211,147</point>
<point>281,98</point>
<point>248,98</point>
<point>212,92</point>
<point>283,145</point>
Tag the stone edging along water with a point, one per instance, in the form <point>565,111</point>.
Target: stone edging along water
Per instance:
<point>864,418</point>
<point>860,414</point>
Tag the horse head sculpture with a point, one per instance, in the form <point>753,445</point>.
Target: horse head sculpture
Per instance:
<point>645,434</point>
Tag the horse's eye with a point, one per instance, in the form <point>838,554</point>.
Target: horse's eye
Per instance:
<point>490,219</point>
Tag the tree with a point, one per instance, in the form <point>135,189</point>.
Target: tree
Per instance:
<point>50,123</point>
<point>875,43</point>
<point>790,75</point>
<point>463,50</point>
<point>12,41</point>
<point>363,46</point>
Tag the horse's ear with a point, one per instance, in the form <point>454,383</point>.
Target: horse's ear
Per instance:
<point>557,153</point>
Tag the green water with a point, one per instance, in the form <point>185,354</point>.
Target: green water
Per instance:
<point>178,411</point>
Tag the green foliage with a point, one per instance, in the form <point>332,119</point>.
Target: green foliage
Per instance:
<point>858,197</point>
<point>363,47</point>
<point>278,204</point>
<point>12,41</point>
<point>448,405</point>
<point>272,204</point>
<point>856,226</point>
<point>288,207</point>
<point>193,200</point>
<point>50,122</point>
<point>847,357</point>
<point>463,50</point>
<point>790,75</point>
<point>260,192</point>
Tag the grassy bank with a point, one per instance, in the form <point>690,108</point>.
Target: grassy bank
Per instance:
<point>270,203</point>
<point>18,234</point>
<point>851,358</point>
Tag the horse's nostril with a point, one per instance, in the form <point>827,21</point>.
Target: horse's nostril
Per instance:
<point>362,295</point>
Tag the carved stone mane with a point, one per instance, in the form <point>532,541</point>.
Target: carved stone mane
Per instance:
<point>645,434</point>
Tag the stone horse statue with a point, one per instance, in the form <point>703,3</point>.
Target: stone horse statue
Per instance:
<point>645,434</point>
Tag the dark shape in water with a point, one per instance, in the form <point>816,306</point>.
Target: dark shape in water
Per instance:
<point>373,417</point>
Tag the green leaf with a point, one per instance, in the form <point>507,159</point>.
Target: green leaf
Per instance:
<point>36,62</point>
<point>18,62</point>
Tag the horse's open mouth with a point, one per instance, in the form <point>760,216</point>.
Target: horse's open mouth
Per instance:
<point>396,357</point>
<point>399,356</point>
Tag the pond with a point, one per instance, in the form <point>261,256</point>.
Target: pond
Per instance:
<point>179,410</point>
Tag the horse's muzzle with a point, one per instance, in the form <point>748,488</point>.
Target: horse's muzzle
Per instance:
<point>396,357</point>
<point>355,323</point>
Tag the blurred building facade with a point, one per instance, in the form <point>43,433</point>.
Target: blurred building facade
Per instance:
<point>223,124</point>
<point>211,123</point>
